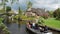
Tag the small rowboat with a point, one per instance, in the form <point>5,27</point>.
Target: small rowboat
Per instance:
<point>37,31</point>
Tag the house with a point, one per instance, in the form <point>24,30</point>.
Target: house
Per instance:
<point>36,12</point>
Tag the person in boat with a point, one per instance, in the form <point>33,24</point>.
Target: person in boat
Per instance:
<point>36,26</point>
<point>33,25</point>
<point>45,29</point>
<point>29,25</point>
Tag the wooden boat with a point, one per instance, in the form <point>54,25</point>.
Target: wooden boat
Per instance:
<point>37,31</point>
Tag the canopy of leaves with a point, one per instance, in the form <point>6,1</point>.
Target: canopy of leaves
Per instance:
<point>8,8</point>
<point>57,13</point>
<point>29,4</point>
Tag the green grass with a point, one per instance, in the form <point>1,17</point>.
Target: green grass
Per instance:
<point>52,22</point>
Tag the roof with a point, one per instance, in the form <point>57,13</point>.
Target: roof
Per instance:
<point>38,11</point>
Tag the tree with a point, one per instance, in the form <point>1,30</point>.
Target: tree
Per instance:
<point>56,13</point>
<point>20,11</point>
<point>29,5</point>
<point>4,3</point>
<point>12,1</point>
<point>8,8</point>
<point>50,13</point>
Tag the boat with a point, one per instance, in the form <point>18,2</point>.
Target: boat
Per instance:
<point>37,31</point>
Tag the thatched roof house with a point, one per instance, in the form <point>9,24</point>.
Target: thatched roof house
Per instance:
<point>36,11</point>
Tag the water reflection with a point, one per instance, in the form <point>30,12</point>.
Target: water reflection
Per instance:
<point>19,25</point>
<point>16,28</point>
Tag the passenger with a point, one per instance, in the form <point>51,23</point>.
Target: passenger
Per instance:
<point>28,25</point>
<point>33,25</point>
<point>45,29</point>
<point>36,26</point>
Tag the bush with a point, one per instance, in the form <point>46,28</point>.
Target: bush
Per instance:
<point>8,8</point>
<point>3,27</point>
<point>56,13</point>
<point>40,21</point>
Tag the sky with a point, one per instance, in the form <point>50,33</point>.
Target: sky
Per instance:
<point>47,4</point>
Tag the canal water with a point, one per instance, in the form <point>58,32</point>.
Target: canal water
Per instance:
<point>54,32</point>
<point>15,28</point>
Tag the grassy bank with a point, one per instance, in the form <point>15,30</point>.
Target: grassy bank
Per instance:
<point>52,22</point>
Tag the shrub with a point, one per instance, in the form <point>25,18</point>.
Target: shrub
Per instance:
<point>40,21</point>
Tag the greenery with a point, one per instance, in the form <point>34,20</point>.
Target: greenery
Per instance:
<point>50,13</point>
<point>3,27</point>
<point>8,8</point>
<point>57,13</point>
<point>2,11</point>
<point>40,21</point>
<point>52,22</point>
<point>29,5</point>
<point>23,17</point>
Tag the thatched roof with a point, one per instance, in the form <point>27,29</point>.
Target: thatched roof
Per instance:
<point>38,11</point>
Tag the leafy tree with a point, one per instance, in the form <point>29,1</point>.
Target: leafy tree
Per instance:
<point>29,5</point>
<point>20,14</point>
<point>20,11</point>
<point>56,13</point>
<point>50,13</point>
<point>4,3</point>
<point>8,8</point>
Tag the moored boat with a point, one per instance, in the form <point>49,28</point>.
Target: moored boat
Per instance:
<point>38,31</point>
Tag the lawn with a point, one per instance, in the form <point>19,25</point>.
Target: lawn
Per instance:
<point>52,22</point>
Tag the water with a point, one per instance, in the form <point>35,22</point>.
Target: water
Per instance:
<point>14,28</point>
<point>54,32</point>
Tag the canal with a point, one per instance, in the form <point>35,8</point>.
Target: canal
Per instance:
<point>16,28</point>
